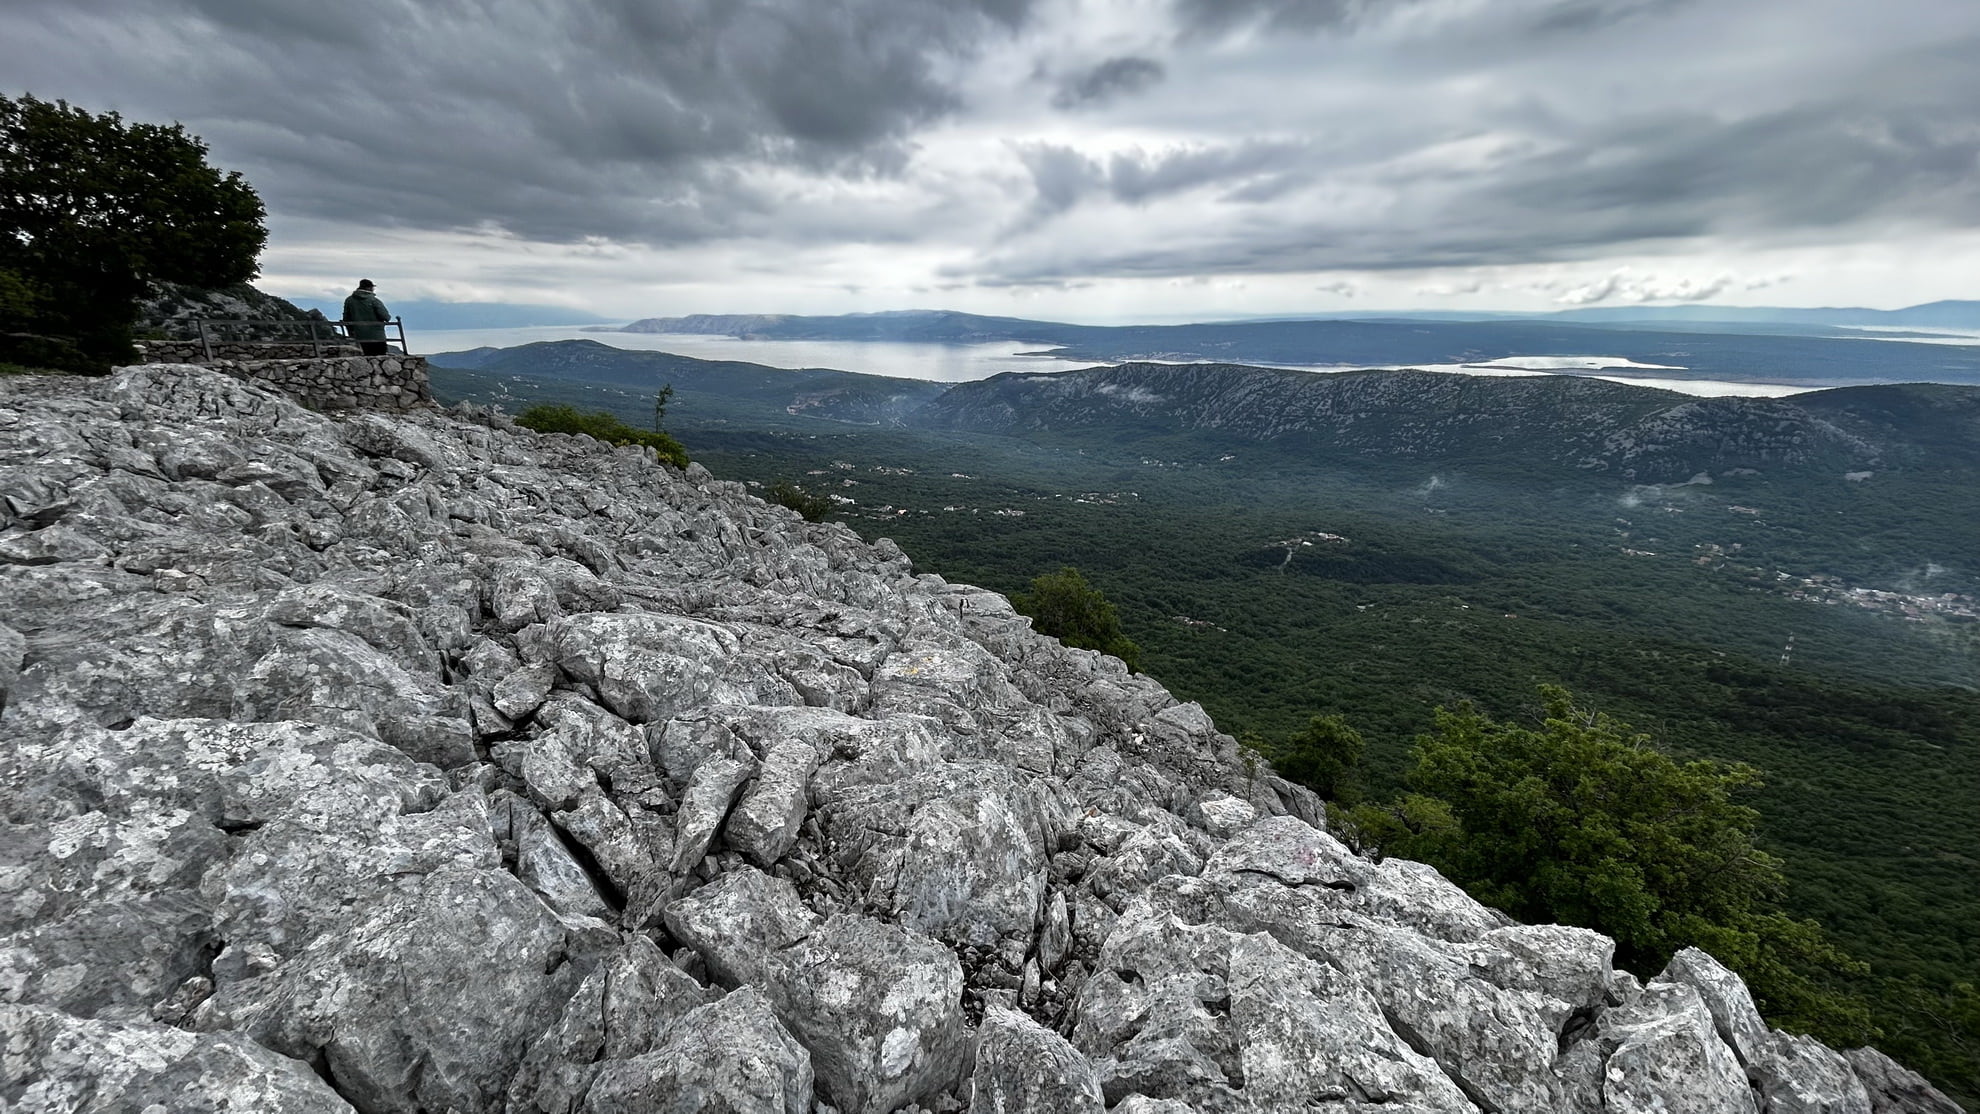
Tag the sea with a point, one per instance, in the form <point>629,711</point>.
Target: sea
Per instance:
<point>962,363</point>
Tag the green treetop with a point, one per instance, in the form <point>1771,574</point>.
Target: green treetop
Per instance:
<point>93,210</point>
<point>1065,606</point>
<point>1582,821</point>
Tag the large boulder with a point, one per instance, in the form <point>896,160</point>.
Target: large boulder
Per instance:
<point>879,1007</point>
<point>1022,1066</point>
<point>728,1057</point>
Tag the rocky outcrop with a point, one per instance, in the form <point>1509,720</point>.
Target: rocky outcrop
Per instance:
<point>167,307</point>
<point>424,763</point>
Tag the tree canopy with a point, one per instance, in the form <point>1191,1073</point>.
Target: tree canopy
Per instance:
<point>1583,821</point>
<point>94,209</point>
<point>1065,606</point>
<point>1326,757</point>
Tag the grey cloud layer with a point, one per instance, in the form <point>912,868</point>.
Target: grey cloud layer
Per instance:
<point>1474,160</point>
<point>615,119</point>
<point>1059,141</point>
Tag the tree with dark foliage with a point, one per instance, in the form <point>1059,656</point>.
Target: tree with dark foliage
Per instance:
<point>1580,820</point>
<point>1326,757</point>
<point>1065,606</point>
<point>92,210</point>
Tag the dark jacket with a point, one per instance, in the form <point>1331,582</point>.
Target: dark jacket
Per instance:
<point>364,306</point>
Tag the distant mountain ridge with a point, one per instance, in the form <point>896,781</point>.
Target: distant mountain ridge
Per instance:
<point>1808,353</point>
<point>1544,424</point>
<point>1945,314</point>
<point>946,324</point>
<point>925,326</point>
<point>839,395</point>
<point>1649,436</point>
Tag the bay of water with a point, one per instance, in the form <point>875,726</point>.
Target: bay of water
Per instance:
<point>962,363</point>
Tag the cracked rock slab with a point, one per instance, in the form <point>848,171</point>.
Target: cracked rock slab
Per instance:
<point>56,1062</point>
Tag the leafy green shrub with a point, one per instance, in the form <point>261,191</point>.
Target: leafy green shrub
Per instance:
<point>1065,606</point>
<point>812,507</point>
<point>1581,821</point>
<point>563,418</point>
<point>1326,757</point>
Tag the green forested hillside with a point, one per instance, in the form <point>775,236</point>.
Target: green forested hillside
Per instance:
<point>1818,627</point>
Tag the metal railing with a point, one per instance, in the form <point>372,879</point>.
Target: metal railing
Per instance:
<point>320,332</point>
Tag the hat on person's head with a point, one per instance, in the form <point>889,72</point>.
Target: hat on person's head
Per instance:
<point>365,284</point>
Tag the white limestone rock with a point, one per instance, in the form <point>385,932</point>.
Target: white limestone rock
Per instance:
<point>524,690</point>
<point>957,853</point>
<point>545,865</point>
<point>1801,1075</point>
<point>740,924</point>
<point>1022,1066</point>
<point>1894,1088</point>
<point>764,824</point>
<point>704,806</point>
<point>1726,997</point>
<point>728,1057</point>
<point>1667,1058</point>
<point>880,1008</point>
<point>294,704</point>
<point>57,1062</point>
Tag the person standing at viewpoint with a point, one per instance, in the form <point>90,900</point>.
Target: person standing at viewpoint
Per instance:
<point>364,318</point>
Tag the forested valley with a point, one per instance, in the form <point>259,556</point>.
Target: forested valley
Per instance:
<point>1819,629</point>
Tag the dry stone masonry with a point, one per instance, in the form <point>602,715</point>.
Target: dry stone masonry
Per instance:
<point>193,352</point>
<point>337,378</point>
<point>418,762</point>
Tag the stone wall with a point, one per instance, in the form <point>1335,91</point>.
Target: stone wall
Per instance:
<point>191,352</point>
<point>330,377</point>
<point>342,383</point>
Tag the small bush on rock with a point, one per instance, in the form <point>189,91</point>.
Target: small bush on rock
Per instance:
<point>563,418</point>
<point>1580,820</point>
<point>1065,606</point>
<point>813,507</point>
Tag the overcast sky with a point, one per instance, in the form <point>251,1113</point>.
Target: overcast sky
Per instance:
<point>1096,160</point>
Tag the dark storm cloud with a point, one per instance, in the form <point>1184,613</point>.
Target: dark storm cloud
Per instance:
<point>616,119</point>
<point>1139,177</point>
<point>1216,17</point>
<point>1809,167</point>
<point>1115,77</point>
